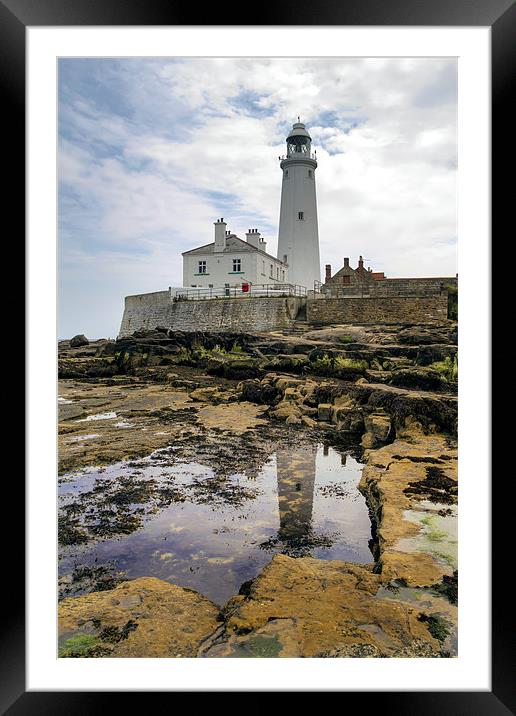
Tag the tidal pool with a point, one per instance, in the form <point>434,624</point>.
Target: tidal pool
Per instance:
<point>198,530</point>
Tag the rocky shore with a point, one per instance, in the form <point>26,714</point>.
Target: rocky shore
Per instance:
<point>228,400</point>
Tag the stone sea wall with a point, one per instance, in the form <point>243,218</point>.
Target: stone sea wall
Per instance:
<point>392,287</point>
<point>382,310</point>
<point>146,311</point>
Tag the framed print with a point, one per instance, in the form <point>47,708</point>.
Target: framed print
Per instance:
<point>258,432</point>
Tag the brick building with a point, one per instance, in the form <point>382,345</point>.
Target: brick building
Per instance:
<point>360,282</point>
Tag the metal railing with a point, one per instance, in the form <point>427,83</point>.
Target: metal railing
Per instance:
<point>298,155</point>
<point>257,290</point>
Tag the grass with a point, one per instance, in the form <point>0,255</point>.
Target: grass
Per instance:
<point>328,364</point>
<point>447,368</point>
<point>81,645</point>
<point>346,339</point>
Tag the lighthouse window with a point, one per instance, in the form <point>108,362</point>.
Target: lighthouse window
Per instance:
<point>310,174</point>
<point>237,266</point>
<point>300,215</point>
<point>286,174</point>
<point>202,267</point>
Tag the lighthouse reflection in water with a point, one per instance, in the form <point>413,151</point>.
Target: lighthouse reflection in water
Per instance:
<point>302,501</point>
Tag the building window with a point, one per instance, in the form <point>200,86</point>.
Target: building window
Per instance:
<point>271,274</point>
<point>277,273</point>
<point>237,265</point>
<point>346,280</point>
<point>310,173</point>
<point>202,267</point>
<point>263,267</point>
<point>300,215</point>
<point>283,275</point>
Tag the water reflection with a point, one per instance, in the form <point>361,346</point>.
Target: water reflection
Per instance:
<point>303,501</point>
<point>296,482</point>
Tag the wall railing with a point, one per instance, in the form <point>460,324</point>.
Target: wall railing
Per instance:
<point>257,290</point>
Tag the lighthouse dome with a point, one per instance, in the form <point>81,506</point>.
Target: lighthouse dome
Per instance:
<point>298,131</point>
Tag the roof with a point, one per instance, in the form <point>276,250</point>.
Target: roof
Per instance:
<point>233,245</point>
<point>298,130</point>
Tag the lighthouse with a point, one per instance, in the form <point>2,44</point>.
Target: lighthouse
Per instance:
<point>298,238</point>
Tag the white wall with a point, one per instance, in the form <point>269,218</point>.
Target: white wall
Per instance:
<point>219,269</point>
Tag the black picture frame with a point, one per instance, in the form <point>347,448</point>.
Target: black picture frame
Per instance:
<point>500,16</point>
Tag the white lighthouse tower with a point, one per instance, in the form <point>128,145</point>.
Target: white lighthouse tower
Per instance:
<point>298,239</point>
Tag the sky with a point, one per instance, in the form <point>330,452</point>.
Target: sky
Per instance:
<point>152,151</point>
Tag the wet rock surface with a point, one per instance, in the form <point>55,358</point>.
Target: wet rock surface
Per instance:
<point>225,402</point>
<point>313,608</point>
<point>411,487</point>
<point>144,617</point>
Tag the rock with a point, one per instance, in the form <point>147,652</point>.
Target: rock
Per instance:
<point>348,419</point>
<point>78,341</point>
<point>428,354</point>
<point>213,395</point>
<point>294,363</point>
<point>415,520</point>
<point>419,379</point>
<point>292,394</point>
<point>69,411</point>
<point>286,409</point>
<point>344,400</point>
<point>144,617</point>
<point>87,367</point>
<point>231,417</point>
<point>308,388</point>
<point>283,382</point>
<point>261,392</point>
<point>235,369</point>
<point>427,335</point>
<point>431,411</point>
<point>378,428</point>
<point>107,348</point>
<point>309,422</point>
<point>305,607</point>
<point>293,420</point>
<point>325,411</point>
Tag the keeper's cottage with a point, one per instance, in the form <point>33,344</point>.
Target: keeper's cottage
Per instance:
<point>230,262</point>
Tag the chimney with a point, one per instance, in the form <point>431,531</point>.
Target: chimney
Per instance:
<point>327,275</point>
<point>346,262</point>
<point>253,237</point>
<point>220,235</point>
<point>360,262</point>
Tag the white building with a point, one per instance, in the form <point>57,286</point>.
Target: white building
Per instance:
<point>298,239</point>
<point>231,262</point>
